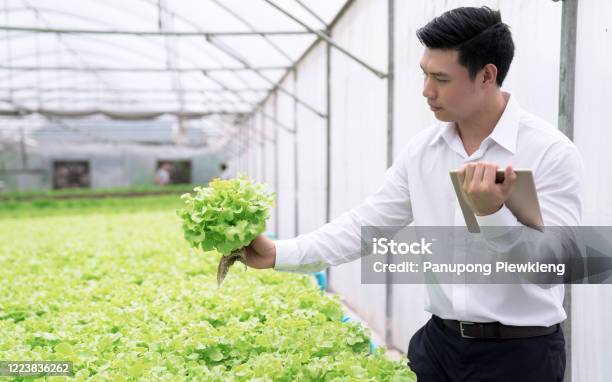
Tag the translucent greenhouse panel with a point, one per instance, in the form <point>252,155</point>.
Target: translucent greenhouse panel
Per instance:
<point>412,115</point>
<point>109,171</point>
<point>593,116</point>
<point>256,140</point>
<point>312,159</point>
<point>140,169</point>
<point>534,25</point>
<point>592,134</point>
<point>265,145</point>
<point>270,158</point>
<point>204,168</point>
<point>408,313</point>
<point>253,169</point>
<point>8,161</point>
<point>591,333</point>
<point>359,125</point>
<point>286,186</point>
<point>105,63</point>
<point>11,162</point>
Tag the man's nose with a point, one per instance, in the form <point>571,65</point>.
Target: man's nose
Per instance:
<point>428,89</point>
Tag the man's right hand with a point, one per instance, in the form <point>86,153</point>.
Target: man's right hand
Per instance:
<point>261,253</point>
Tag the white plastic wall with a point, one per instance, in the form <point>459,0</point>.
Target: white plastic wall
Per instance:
<point>286,175</point>
<point>358,138</point>
<point>358,133</point>
<point>116,165</point>
<point>591,311</point>
<point>311,138</point>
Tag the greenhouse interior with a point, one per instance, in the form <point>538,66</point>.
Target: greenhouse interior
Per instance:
<point>229,190</point>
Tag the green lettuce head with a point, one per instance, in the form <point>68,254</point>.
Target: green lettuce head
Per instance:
<point>227,215</point>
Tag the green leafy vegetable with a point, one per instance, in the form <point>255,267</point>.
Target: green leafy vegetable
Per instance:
<point>123,297</point>
<point>226,216</point>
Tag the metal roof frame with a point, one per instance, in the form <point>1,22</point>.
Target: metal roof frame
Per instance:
<point>210,36</point>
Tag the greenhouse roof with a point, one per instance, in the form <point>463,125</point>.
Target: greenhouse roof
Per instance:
<point>145,58</point>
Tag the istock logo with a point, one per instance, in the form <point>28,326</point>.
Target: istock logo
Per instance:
<point>383,246</point>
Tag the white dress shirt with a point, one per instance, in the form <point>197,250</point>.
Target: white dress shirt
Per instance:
<point>417,189</point>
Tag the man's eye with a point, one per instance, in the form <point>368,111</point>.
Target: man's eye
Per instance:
<point>440,80</point>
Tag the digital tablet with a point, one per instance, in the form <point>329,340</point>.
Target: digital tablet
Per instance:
<point>523,200</point>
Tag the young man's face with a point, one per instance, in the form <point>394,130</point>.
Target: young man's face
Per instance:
<point>447,86</point>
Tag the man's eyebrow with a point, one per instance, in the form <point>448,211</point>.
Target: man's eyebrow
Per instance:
<point>435,73</point>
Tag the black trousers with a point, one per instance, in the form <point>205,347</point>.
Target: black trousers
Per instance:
<point>438,354</point>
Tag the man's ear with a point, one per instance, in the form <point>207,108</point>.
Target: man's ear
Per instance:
<point>489,74</point>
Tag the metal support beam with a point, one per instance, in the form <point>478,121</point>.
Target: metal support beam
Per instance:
<point>152,33</point>
<point>23,149</point>
<point>137,69</point>
<point>234,55</point>
<point>312,13</point>
<point>251,149</point>
<point>240,148</point>
<point>39,18</point>
<point>296,168</point>
<point>9,55</point>
<point>108,100</point>
<point>328,145</point>
<point>244,62</point>
<point>276,168</point>
<point>567,72</point>
<point>390,120</point>
<point>264,138</point>
<point>197,28</point>
<point>347,5</point>
<point>14,90</point>
<point>56,54</point>
<point>112,43</point>
<point>277,123</point>
<point>116,114</point>
<point>567,67</point>
<point>245,144</point>
<point>274,45</point>
<point>238,153</point>
<point>328,40</point>
<point>223,86</point>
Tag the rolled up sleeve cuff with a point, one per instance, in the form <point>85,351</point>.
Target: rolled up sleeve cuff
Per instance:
<point>287,255</point>
<point>290,259</point>
<point>497,223</point>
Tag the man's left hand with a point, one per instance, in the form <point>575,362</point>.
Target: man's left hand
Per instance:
<point>481,192</point>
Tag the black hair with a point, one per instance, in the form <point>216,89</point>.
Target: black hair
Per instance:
<point>479,36</point>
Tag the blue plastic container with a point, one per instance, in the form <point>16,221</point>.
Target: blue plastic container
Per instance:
<point>321,278</point>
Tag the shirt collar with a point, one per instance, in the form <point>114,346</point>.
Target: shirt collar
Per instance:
<point>504,133</point>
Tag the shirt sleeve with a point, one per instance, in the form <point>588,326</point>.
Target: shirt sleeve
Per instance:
<point>559,183</point>
<point>339,241</point>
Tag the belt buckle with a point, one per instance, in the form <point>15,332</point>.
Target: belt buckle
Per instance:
<point>461,328</point>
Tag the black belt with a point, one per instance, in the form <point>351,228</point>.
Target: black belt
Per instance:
<point>495,330</point>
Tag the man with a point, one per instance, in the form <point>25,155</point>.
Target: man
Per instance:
<point>223,171</point>
<point>162,176</point>
<point>477,332</point>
